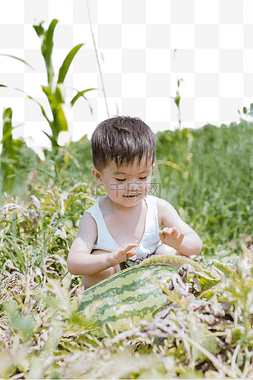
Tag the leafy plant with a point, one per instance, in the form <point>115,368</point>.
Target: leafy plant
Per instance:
<point>8,152</point>
<point>55,91</point>
<point>204,328</point>
<point>207,175</point>
<point>15,171</point>
<point>14,158</point>
<point>55,95</point>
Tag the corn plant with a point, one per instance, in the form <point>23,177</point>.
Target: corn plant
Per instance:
<point>55,95</point>
<point>54,92</point>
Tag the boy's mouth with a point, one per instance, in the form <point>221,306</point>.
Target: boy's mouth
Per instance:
<point>132,195</point>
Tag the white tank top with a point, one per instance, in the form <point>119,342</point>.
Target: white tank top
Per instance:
<point>150,240</point>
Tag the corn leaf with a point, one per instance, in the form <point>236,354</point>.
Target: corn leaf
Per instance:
<point>79,95</point>
<point>59,94</point>
<point>42,109</point>
<point>60,121</point>
<point>7,129</point>
<point>47,47</point>
<point>39,29</point>
<point>51,138</point>
<point>67,62</point>
<point>8,153</point>
<point>17,58</point>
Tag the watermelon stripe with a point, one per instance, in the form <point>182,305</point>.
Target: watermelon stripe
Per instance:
<point>129,295</point>
<point>128,283</point>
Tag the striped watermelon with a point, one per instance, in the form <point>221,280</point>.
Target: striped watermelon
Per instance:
<point>130,295</point>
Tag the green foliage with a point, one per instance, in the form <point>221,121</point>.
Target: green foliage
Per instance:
<point>43,222</point>
<point>43,335</point>
<point>14,158</point>
<point>204,328</point>
<point>74,158</point>
<point>54,92</point>
<point>8,151</point>
<point>55,95</point>
<point>207,175</point>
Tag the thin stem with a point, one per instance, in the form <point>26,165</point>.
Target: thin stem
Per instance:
<point>102,82</point>
<point>234,367</point>
<point>212,358</point>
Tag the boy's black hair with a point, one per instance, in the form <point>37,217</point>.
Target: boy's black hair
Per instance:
<point>122,139</point>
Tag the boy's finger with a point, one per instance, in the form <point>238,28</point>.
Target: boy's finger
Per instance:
<point>127,247</point>
<point>132,245</point>
<point>162,234</point>
<point>167,230</point>
<point>130,254</point>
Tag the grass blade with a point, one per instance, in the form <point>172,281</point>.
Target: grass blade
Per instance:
<point>34,168</point>
<point>10,255</point>
<point>18,252</point>
<point>212,358</point>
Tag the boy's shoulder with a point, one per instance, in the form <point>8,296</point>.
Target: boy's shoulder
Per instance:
<point>162,202</point>
<point>159,201</point>
<point>96,206</point>
<point>87,225</point>
<point>163,206</point>
<point>153,198</point>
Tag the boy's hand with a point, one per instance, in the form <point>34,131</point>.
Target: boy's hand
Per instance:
<point>171,237</point>
<point>122,254</point>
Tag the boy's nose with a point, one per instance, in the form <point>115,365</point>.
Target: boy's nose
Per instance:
<point>133,186</point>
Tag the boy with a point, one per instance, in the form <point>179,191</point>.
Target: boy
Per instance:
<point>123,227</point>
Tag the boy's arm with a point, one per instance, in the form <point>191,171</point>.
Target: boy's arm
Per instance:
<point>81,262</point>
<point>177,234</point>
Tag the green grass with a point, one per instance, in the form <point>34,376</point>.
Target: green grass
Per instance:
<point>44,336</point>
<point>207,174</point>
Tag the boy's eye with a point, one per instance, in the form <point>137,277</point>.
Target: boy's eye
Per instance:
<point>144,177</point>
<point>120,180</point>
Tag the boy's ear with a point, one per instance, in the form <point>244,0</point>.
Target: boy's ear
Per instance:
<point>153,166</point>
<point>97,176</point>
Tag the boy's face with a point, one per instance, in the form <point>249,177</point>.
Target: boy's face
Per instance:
<point>128,184</point>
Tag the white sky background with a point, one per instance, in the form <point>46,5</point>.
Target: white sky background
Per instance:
<point>147,46</point>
